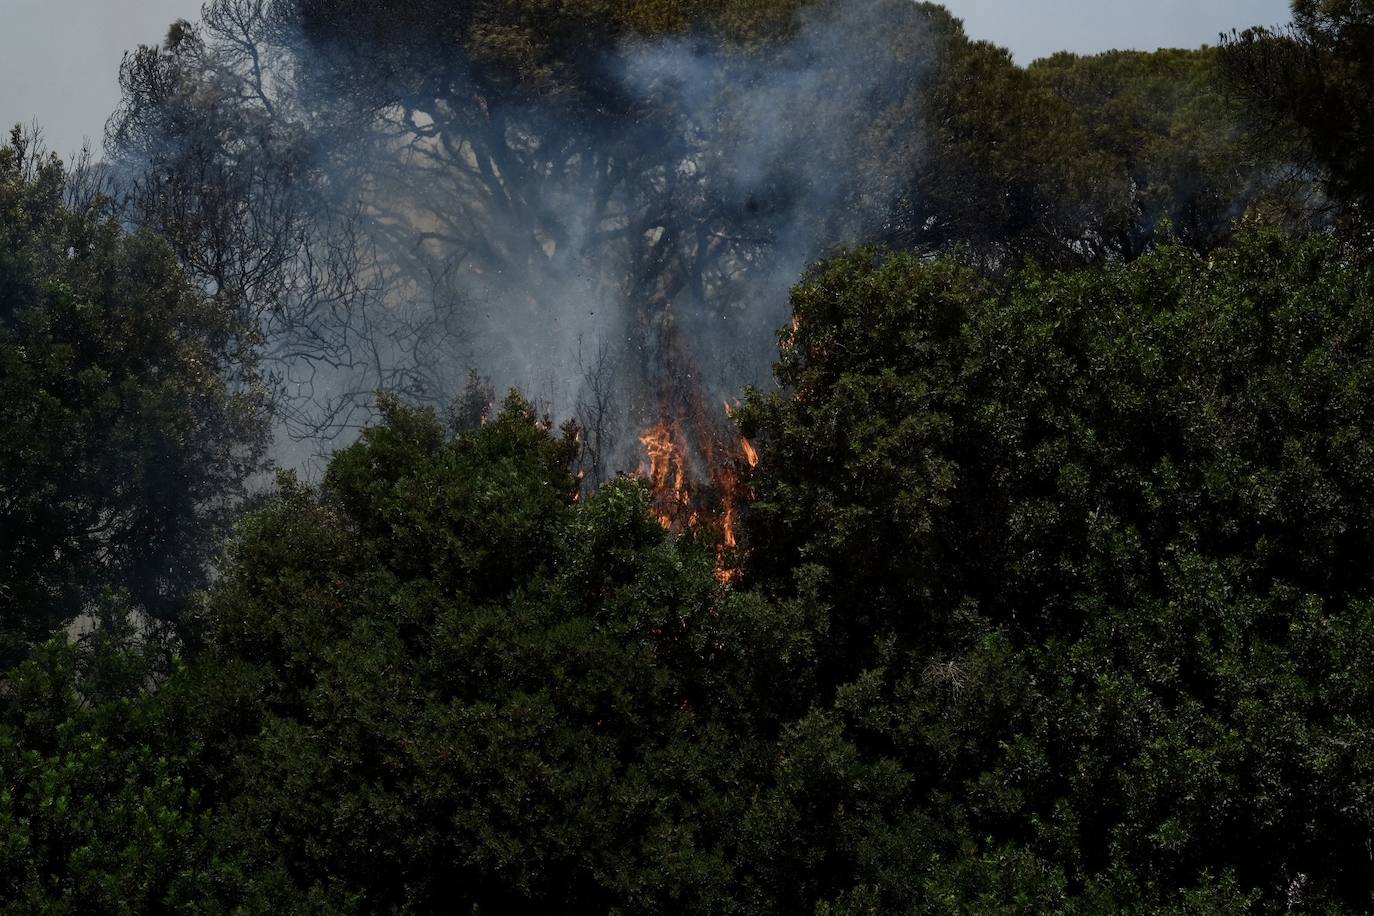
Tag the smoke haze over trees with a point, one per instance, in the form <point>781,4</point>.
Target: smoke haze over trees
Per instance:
<point>1306,89</point>
<point>122,451</point>
<point>1015,634</point>
<point>1033,577</point>
<point>400,193</point>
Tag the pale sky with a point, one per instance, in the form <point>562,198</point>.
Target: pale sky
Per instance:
<point>59,58</point>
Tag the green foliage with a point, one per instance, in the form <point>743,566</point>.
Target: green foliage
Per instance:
<point>1176,143</point>
<point>1071,159</point>
<point>120,447</point>
<point>999,164</point>
<point>1055,590</point>
<point>1075,158</point>
<point>1307,90</point>
<point>1078,532</point>
<point>1056,601</point>
<point>96,811</point>
<point>447,681</point>
<point>551,46</point>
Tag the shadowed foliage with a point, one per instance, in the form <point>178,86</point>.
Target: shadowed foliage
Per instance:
<point>1051,590</point>
<point>1055,600</point>
<point>121,448</point>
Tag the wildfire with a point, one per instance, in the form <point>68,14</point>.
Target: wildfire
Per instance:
<point>707,500</point>
<point>750,455</point>
<point>668,477</point>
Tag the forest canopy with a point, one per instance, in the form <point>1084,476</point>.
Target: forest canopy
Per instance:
<point>1034,576</point>
<point>363,181</point>
<point>123,447</point>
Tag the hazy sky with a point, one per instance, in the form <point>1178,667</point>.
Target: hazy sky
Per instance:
<point>59,58</point>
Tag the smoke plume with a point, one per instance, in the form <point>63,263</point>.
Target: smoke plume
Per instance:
<point>619,249</point>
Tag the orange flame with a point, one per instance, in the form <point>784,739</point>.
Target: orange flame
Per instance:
<point>667,474</point>
<point>683,501</point>
<point>750,455</point>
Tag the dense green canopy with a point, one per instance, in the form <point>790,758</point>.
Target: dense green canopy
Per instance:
<point>1307,90</point>
<point>1098,543</point>
<point>1052,590</point>
<point>121,448</point>
<point>1056,599</point>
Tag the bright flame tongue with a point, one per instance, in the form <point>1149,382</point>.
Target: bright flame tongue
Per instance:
<point>676,498</point>
<point>750,455</point>
<point>667,473</point>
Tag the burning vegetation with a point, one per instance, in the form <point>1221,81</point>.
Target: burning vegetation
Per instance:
<point>1055,593</point>
<point>696,470</point>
